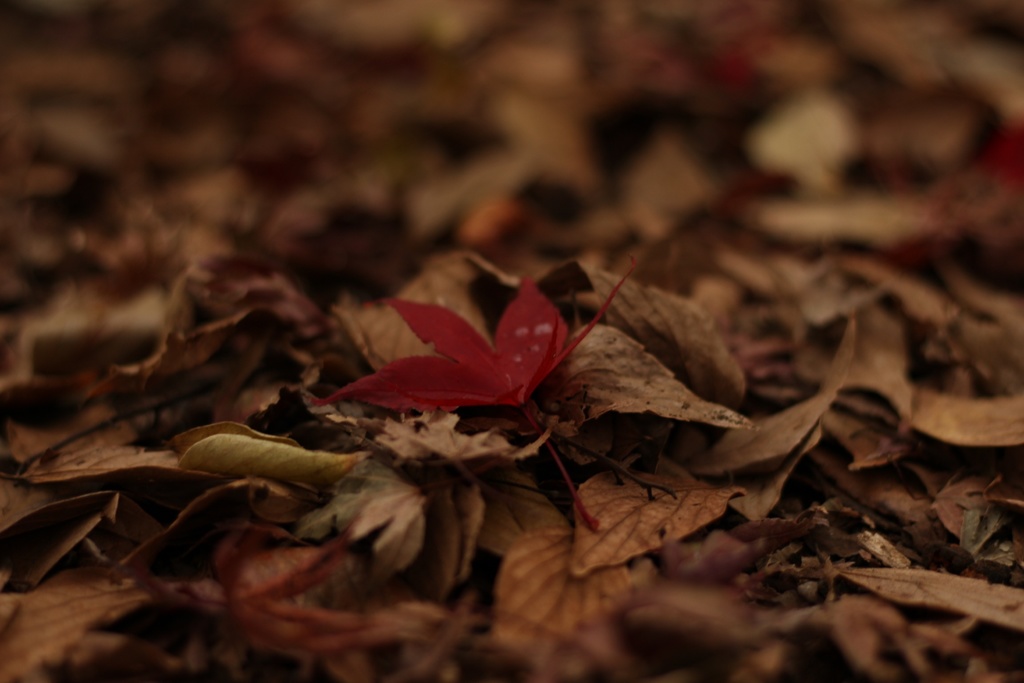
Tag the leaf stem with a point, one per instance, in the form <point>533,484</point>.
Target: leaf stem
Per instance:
<point>591,521</point>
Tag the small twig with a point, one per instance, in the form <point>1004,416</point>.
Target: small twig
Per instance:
<point>619,470</point>
<point>111,421</point>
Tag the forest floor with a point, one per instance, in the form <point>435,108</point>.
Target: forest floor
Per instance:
<point>479,340</point>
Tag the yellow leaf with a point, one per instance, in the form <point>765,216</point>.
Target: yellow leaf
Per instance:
<point>244,455</point>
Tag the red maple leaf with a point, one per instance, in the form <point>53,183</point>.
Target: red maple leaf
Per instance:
<point>528,344</point>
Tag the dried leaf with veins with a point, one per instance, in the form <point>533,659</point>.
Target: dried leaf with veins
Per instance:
<point>612,373</point>
<point>638,523</point>
<point>676,330</point>
<point>536,596</point>
<point>374,498</point>
<point>991,603</point>
<point>434,434</point>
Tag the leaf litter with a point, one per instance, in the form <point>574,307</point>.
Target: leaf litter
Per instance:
<point>447,341</point>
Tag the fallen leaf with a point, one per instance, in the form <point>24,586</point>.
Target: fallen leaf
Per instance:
<point>537,597</point>
<point>873,220</point>
<point>50,620</point>
<point>454,517</point>
<point>374,497</point>
<point>434,434</point>
<point>878,642</point>
<point>84,331</point>
<point>230,448</point>
<point>666,177</point>
<point>610,372</point>
<point>810,136</point>
<point>37,539</point>
<point>960,493</point>
<point>881,360</point>
<point>635,521</point>
<point>992,603</point>
<point>674,329</point>
<point>964,421</point>
<point>28,440</point>
<point>775,437</point>
<point>176,352</point>
<point>513,507</point>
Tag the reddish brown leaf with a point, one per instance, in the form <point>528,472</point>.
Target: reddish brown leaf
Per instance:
<point>635,522</point>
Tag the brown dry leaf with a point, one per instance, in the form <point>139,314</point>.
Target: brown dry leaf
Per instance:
<point>920,300</point>
<point>177,352</point>
<point>994,340</point>
<point>84,331</point>
<point>887,492</point>
<point>444,198</point>
<point>991,603</point>
<point>268,500</point>
<point>26,440</point>
<point>964,421</point>
<point>550,129</point>
<point>37,539</point>
<point>609,371</point>
<point>957,496</point>
<point>675,330</point>
<point>233,449</point>
<point>514,506</point>
<point>50,620</point>
<point>634,521</point>
<point>762,492</point>
<point>434,434</point>
<point>454,518</point>
<point>881,360</point>
<point>874,220</point>
<point>870,632</point>
<point>811,136</point>
<point>537,597</point>
<point>374,497</point>
<point>667,178</point>
<point>765,448</point>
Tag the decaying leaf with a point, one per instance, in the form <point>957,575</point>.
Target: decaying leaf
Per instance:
<point>674,329</point>
<point>610,372</point>
<point>434,434</point>
<point>230,448</point>
<point>635,521</point>
<point>966,421</point>
<point>537,597</point>
<point>514,506</point>
<point>374,497</point>
<point>47,622</point>
<point>763,449</point>
<point>991,603</point>
<point>454,517</point>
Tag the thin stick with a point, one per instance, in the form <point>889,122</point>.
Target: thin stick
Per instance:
<point>591,521</point>
<point>618,468</point>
